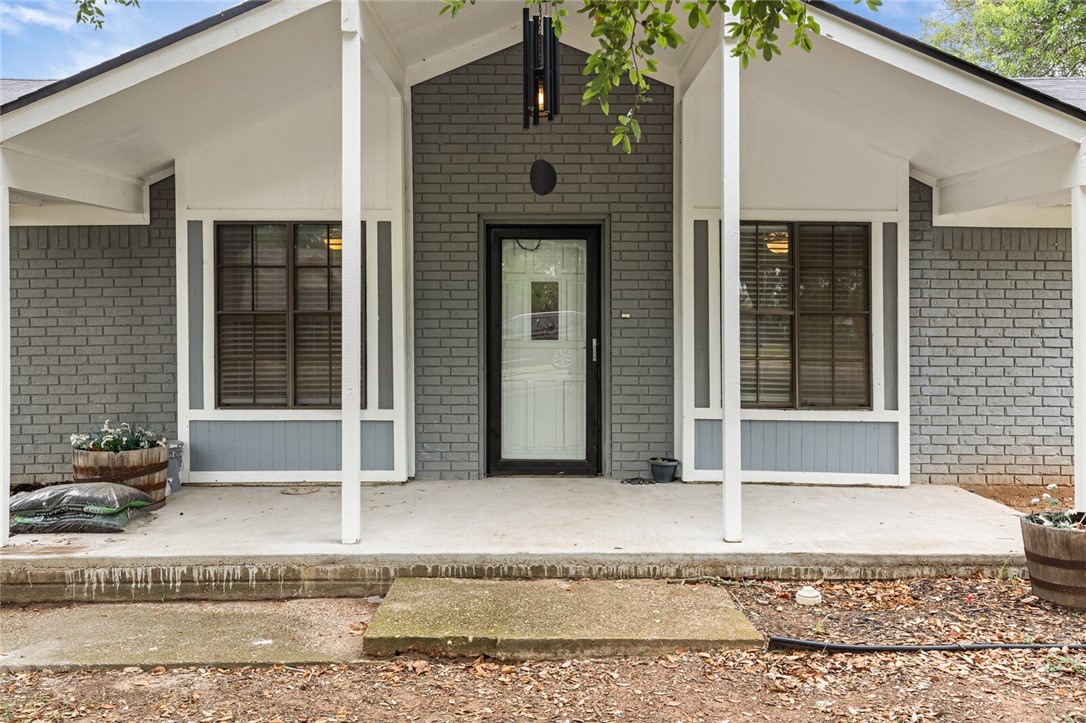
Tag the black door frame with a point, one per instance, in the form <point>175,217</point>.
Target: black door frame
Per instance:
<point>590,465</point>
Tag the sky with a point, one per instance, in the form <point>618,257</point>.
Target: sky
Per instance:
<point>40,38</point>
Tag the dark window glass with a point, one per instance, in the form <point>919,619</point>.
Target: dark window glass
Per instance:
<point>805,315</point>
<point>278,301</point>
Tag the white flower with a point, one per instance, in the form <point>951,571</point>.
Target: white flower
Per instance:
<point>1046,496</point>
<point>1035,501</point>
<point>1052,486</point>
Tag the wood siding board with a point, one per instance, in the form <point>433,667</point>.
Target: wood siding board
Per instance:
<point>744,444</point>
<point>701,314</point>
<point>707,441</point>
<point>377,445</point>
<point>264,446</point>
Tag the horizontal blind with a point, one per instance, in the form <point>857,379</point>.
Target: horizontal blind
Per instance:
<point>278,306</point>
<point>834,307</point>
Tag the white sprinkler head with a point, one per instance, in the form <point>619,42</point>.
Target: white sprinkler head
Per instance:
<point>807,595</point>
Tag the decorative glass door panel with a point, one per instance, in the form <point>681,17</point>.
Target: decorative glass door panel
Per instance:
<point>544,350</point>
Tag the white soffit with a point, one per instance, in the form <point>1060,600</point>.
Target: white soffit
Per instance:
<point>143,128</point>
<point>940,131</point>
<point>429,44</point>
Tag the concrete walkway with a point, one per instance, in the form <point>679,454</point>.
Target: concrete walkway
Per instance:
<point>259,542</point>
<point>499,618</point>
<point>534,619</point>
<point>119,635</point>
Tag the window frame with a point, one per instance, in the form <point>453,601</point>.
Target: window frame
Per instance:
<point>795,403</point>
<point>289,312</point>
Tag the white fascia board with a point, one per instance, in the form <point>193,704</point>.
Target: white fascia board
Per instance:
<point>72,214</point>
<point>1028,177</point>
<point>172,56</point>
<point>926,178</point>
<point>379,53</point>
<point>45,175</point>
<point>970,86</point>
<point>580,39</point>
<point>701,53</point>
<point>464,54</point>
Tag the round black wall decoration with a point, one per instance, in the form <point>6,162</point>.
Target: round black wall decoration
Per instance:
<point>543,177</point>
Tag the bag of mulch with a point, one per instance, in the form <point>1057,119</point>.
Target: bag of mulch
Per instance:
<point>97,498</point>
<point>74,521</point>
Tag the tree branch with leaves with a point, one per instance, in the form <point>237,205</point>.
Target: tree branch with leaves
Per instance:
<point>631,31</point>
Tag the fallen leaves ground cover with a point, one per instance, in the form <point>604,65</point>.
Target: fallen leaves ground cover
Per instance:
<point>1047,685</point>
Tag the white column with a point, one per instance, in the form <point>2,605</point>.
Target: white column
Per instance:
<point>729,294</point>
<point>1078,337</point>
<point>5,356</point>
<point>351,154</point>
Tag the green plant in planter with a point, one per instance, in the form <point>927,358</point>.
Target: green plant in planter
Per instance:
<point>123,438</point>
<point>1048,512</point>
<point>1054,541</point>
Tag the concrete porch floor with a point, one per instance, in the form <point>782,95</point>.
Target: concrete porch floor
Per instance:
<point>257,542</point>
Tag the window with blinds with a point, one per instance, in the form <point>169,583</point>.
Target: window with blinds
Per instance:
<point>278,302</point>
<point>805,315</point>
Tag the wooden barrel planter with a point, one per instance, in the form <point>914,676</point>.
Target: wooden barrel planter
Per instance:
<point>144,469</point>
<point>1056,560</point>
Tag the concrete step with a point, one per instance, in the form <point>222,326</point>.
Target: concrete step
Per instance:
<point>521,619</point>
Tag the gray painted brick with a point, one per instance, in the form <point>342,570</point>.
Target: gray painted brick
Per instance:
<point>990,352</point>
<point>94,337</point>
<point>473,160</point>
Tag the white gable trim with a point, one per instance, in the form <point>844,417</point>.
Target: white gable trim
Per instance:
<point>983,91</point>
<point>141,69</point>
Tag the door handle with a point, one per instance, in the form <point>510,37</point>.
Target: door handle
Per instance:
<point>595,350</point>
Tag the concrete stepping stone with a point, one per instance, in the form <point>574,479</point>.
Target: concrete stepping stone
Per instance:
<point>520,619</point>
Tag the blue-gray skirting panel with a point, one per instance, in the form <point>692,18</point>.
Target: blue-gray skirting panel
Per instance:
<point>283,446</point>
<point>701,314</point>
<point>268,446</point>
<point>196,314</point>
<point>783,446</point>
<point>377,441</point>
<point>384,316</point>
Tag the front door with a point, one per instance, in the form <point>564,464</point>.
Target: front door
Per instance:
<point>543,381</point>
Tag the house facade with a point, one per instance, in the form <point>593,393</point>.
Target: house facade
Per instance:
<point>301,238</point>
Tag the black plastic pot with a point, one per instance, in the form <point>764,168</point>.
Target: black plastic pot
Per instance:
<point>663,469</point>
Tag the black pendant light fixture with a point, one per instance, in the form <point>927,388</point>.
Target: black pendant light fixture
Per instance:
<point>541,86</point>
<point>541,76</point>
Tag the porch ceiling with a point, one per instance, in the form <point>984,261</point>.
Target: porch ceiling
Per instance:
<point>428,44</point>
<point>941,132</point>
<point>141,130</point>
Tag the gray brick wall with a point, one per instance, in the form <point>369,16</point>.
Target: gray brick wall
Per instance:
<point>990,314</point>
<point>471,159</point>
<point>93,334</point>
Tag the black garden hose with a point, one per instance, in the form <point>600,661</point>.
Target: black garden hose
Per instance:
<point>777,644</point>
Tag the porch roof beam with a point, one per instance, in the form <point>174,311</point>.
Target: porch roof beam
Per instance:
<point>44,175</point>
<point>1035,176</point>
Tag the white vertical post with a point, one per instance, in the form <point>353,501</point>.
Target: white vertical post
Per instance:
<point>5,355</point>
<point>1078,335</point>
<point>904,375</point>
<point>351,209</point>
<point>729,294</point>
